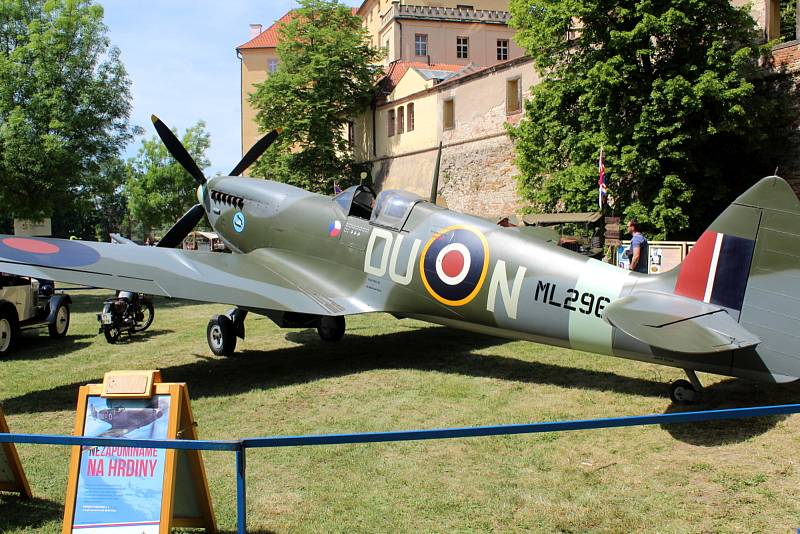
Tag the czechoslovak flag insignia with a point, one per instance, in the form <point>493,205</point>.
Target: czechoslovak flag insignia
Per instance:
<point>335,228</point>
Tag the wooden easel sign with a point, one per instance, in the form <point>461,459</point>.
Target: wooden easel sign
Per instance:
<point>135,490</point>
<point>12,477</point>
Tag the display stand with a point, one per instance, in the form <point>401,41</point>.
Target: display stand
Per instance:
<point>12,477</point>
<point>135,489</point>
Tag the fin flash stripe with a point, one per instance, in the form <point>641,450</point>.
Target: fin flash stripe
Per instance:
<point>716,270</point>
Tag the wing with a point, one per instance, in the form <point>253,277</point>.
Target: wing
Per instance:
<point>677,323</point>
<point>261,280</point>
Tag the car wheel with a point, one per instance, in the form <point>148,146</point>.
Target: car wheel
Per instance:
<point>111,333</point>
<point>8,331</point>
<point>60,325</point>
<point>221,335</point>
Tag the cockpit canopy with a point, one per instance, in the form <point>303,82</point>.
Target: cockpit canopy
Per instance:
<point>389,209</point>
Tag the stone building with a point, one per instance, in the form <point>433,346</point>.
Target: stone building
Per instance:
<point>453,76</point>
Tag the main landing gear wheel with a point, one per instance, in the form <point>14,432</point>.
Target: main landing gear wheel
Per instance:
<point>8,332</point>
<point>331,328</point>
<point>58,328</point>
<point>221,335</point>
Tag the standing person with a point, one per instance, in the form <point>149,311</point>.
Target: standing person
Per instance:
<point>639,248</point>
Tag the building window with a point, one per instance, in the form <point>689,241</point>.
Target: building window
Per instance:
<point>410,121</point>
<point>272,66</point>
<point>351,133</point>
<point>464,6</point>
<point>421,44</point>
<point>449,114</point>
<point>513,96</point>
<point>401,120</point>
<point>392,119</point>
<point>462,47</point>
<point>502,49</point>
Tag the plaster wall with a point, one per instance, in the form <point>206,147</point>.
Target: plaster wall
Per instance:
<point>442,42</point>
<point>254,66</point>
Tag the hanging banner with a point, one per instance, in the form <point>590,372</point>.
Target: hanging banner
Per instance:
<point>135,490</point>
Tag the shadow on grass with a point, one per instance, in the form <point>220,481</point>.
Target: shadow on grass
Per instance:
<point>428,349</point>
<point>30,346</point>
<point>126,338</point>
<point>733,393</point>
<point>17,512</point>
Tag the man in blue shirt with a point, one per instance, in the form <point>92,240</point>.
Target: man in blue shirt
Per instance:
<point>639,248</point>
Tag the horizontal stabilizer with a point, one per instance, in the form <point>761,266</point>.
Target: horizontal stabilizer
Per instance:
<point>678,324</point>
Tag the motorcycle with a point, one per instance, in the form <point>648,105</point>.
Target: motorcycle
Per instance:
<point>127,313</point>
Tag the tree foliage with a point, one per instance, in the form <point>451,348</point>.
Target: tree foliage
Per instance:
<point>673,90</point>
<point>325,76</point>
<point>64,102</point>
<point>159,190</point>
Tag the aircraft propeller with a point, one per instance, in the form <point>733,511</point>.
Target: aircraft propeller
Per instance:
<point>189,220</point>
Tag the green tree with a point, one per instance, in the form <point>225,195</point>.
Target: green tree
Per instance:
<point>158,188</point>
<point>64,102</point>
<point>673,91</point>
<point>326,75</point>
<point>788,19</point>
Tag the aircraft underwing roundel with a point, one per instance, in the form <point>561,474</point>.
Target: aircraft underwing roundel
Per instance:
<point>453,265</point>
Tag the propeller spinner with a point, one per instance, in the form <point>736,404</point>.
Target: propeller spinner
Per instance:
<point>189,220</point>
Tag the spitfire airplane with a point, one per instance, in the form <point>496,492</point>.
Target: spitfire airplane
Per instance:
<point>304,259</point>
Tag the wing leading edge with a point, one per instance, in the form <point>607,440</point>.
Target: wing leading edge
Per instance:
<point>678,324</point>
<point>263,279</point>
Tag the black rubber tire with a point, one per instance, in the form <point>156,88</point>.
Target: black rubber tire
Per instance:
<point>683,392</point>
<point>8,331</point>
<point>112,334</point>
<point>221,335</point>
<point>149,315</point>
<point>331,329</point>
<point>60,325</point>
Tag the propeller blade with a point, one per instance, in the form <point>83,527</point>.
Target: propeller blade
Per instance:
<point>255,151</point>
<point>181,229</point>
<point>177,150</point>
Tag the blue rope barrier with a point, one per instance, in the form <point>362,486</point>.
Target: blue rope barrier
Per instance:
<point>240,446</point>
<point>531,428</point>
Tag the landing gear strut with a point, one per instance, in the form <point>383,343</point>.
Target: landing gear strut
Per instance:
<point>222,331</point>
<point>686,392</point>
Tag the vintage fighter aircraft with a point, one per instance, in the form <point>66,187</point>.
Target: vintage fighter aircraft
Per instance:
<point>304,259</point>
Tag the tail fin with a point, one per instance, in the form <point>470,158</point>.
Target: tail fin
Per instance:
<point>748,261</point>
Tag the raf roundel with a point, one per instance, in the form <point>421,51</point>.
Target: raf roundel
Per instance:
<point>453,265</point>
<point>47,252</point>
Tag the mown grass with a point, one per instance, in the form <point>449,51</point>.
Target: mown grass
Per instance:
<point>738,476</point>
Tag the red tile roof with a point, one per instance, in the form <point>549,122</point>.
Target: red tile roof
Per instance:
<point>398,70</point>
<point>270,37</point>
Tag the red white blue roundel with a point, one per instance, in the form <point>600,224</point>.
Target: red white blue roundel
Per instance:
<point>453,265</point>
<point>47,252</point>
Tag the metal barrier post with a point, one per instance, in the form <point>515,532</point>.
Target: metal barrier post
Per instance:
<point>241,490</point>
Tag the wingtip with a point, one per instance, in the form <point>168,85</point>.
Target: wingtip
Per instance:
<point>279,130</point>
<point>154,119</point>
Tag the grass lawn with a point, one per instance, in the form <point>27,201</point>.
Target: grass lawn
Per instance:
<point>738,476</point>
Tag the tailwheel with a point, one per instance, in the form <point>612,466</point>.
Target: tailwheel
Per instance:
<point>683,392</point>
<point>221,335</point>
<point>331,328</point>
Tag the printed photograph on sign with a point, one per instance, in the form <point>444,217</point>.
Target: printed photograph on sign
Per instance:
<point>120,488</point>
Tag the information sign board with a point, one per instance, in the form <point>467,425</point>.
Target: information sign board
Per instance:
<point>136,490</point>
